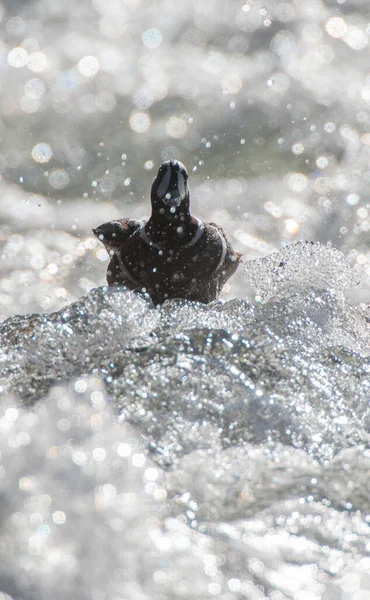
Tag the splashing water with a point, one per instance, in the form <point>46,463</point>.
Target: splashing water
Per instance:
<point>188,433</point>
<point>189,451</point>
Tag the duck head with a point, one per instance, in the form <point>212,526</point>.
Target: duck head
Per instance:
<point>170,190</point>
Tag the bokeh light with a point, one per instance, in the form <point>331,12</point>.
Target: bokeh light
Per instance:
<point>88,66</point>
<point>139,121</point>
<point>152,38</point>
<point>18,57</point>
<point>42,153</point>
<point>37,62</point>
<point>58,179</point>
<point>336,27</point>
<point>176,128</point>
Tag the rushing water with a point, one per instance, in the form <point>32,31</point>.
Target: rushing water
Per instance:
<point>185,451</point>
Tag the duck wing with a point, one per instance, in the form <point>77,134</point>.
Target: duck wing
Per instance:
<point>114,233</point>
<point>229,259</point>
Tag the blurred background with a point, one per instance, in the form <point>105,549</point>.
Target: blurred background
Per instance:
<point>266,102</point>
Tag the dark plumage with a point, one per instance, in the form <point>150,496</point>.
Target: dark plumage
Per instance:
<point>172,255</point>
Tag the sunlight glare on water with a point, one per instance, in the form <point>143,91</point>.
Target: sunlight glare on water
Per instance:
<point>217,451</point>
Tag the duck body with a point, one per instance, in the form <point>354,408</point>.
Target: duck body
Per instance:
<point>172,254</point>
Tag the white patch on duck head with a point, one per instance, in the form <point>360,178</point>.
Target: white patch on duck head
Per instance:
<point>163,186</point>
<point>181,186</point>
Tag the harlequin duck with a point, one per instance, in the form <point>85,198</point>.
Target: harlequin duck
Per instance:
<point>171,255</point>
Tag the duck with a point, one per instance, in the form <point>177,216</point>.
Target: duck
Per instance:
<point>171,255</point>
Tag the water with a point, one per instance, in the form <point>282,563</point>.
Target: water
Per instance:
<point>217,450</point>
<point>185,451</point>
